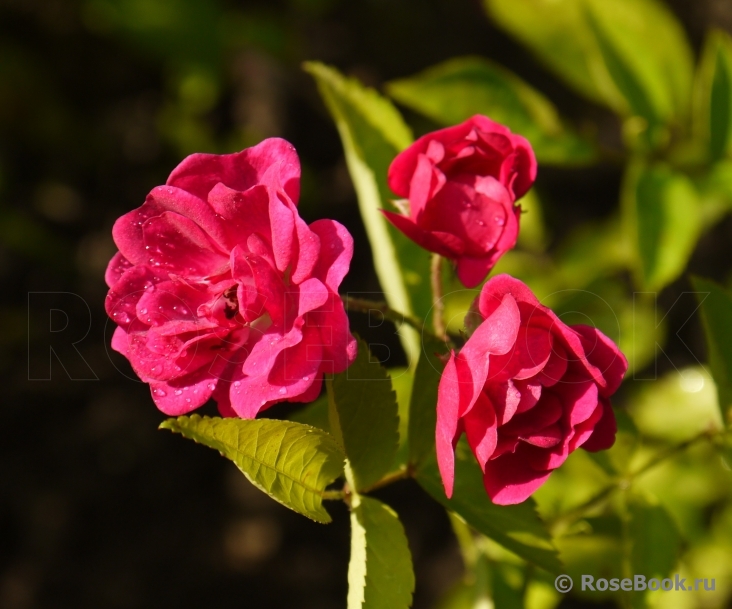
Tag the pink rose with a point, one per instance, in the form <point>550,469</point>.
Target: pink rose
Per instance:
<point>527,390</point>
<point>221,290</point>
<point>461,183</point>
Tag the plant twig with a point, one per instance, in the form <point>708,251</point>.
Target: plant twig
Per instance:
<point>362,305</point>
<point>624,482</point>
<point>400,474</point>
<point>438,305</point>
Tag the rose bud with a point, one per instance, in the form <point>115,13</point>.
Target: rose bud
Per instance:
<point>461,184</point>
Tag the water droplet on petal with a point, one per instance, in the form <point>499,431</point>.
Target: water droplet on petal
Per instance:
<point>306,378</point>
<point>178,392</point>
<point>480,223</point>
<point>237,383</point>
<point>159,393</point>
<point>211,386</point>
<point>499,220</point>
<point>283,390</point>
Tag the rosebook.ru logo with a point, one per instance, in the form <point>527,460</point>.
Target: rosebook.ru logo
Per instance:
<point>638,583</point>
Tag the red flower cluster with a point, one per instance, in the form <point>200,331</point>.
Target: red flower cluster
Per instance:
<point>526,389</point>
<point>220,290</point>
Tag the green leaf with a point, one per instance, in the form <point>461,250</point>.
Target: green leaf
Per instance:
<point>380,574</point>
<point>422,408</point>
<point>655,538</point>
<point>716,313</point>
<point>643,35</point>
<point>661,219</point>
<point>598,552</point>
<point>367,415</point>
<point>292,463</point>
<point>715,190</point>
<point>314,414</point>
<point>517,528</point>
<point>402,379</point>
<point>621,72</point>
<point>457,89</point>
<point>676,407</point>
<point>713,100</point>
<point>372,133</point>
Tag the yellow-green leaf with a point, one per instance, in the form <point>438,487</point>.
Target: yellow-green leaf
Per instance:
<point>292,463</point>
<point>380,574</point>
<point>459,88</point>
<point>661,217</point>
<point>373,133</point>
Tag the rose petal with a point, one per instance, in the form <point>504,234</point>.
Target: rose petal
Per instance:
<point>178,245</point>
<point>510,479</point>
<point>199,173</point>
<point>443,243</point>
<point>604,431</point>
<point>481,429</point>
<point>336,252</point>
<point>605,355</point>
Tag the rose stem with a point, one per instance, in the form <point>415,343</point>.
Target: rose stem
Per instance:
<point>362,305</point>
<point>438,306</point>
<point>624,482</point>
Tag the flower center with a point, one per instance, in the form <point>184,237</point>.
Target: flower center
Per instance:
<point>231,303</point>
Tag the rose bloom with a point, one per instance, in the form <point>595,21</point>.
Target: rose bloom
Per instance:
<point>461,184</point>
<point>527,390</point>
<point>220,289</point>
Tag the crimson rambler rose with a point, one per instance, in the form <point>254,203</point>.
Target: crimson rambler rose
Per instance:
<point>461,184</point>
<point>527,390</point>
<point>220,289</point>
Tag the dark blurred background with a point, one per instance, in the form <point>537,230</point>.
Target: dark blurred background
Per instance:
<point>99,100</point>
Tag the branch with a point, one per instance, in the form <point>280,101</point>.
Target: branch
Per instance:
<point>438,306</point>
<point>361,305</point>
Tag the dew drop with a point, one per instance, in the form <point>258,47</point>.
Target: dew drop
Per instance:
<point>283,390</point>
<point>237,383</point>
<point>306,378</point>
<point>143,311</point>
<point>178,392</point>
<point>499,220</point>
<point>211,386</point>
<point>159,393</point>
<point>480,223</point>
<point>188,400</point>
